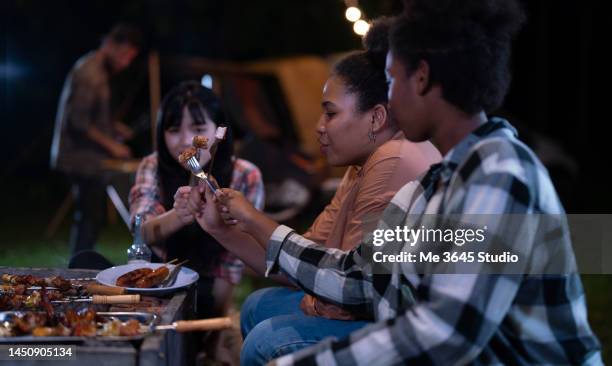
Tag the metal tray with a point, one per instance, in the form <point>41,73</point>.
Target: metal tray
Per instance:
<point>147,319</point>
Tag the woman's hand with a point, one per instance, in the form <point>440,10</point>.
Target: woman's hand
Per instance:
<point>307,305</point>
<point>315,307</point>
<point>181,205</point>
<point>235,209</point>
<point>202,205</point>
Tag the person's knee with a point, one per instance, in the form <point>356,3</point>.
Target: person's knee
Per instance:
<point>248,309</point>
<point>248,352</point>
<point>258,346</point>
<point>271,339</point>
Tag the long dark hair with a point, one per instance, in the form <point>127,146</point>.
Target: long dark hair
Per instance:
<point>199,101</point>
<point>191,242</point>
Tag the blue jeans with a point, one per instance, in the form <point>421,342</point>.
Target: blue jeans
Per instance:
<point>273,325</point>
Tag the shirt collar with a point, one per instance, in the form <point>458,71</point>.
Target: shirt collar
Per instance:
<point>495,126</point>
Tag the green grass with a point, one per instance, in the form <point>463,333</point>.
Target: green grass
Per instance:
<point>22,248</point>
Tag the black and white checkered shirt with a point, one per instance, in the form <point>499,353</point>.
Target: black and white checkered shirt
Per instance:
<point>449,319</point>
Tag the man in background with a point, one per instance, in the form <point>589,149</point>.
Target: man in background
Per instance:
<point>86,133</point>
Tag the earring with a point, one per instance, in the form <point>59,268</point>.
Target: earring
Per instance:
<point>371,134</point>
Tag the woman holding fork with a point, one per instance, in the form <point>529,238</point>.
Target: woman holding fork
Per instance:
<point>162,188</point>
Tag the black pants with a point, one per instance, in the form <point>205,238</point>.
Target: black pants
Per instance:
<point>90,212</point>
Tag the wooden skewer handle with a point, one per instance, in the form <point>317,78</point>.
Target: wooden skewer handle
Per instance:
<point>117,299</point>
<point>203,324</point>
<point>95,289</point>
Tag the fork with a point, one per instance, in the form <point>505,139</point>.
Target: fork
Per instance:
<point>196,170</point>
<point>171,278</point>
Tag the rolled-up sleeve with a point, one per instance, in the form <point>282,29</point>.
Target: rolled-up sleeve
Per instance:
<point>331,274</point>
<point>144,197</point>
<point>274,247</point>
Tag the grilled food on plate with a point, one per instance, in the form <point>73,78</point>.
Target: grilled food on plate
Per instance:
<point>143,277</point>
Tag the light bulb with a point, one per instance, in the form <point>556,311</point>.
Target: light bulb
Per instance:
<point>353,14</point>
<point>361,27</point>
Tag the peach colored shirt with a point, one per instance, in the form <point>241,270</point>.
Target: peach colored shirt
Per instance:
<point>361,198</point>
<point>366,191</point>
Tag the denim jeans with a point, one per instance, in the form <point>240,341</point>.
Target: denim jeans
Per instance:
<point>273,325</point>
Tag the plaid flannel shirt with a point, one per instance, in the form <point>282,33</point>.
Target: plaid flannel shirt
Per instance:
<point>449,319</point>
<point>85,102</point>
<point>145,199</point>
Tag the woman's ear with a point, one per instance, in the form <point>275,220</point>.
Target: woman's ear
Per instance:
<point>422,79</point>
<point>379,117</point>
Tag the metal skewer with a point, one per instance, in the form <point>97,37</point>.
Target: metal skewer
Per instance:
<point>103,299</point>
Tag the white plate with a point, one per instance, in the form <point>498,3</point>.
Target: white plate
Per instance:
<point>185,277</point>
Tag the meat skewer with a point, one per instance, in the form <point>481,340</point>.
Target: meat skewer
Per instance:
<point>56,281</point>
<point>14,301</point>
<point>88,323</point>
<point>10,300</point>
<point>103,299</point>
<point>129,279</point>
<point>91,289</point>
<point>143,277</point>
<point>147,277</point>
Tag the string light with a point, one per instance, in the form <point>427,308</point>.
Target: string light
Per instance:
<point>353,14</point>
<point>361,27</point>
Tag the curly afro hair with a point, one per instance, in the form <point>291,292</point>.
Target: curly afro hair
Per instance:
<point>466,44</point>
